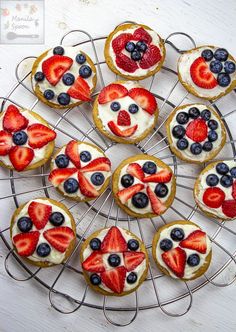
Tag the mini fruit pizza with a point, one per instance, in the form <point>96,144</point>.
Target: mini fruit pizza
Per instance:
<point>63,77</point>
<point>80,171</point>
<point>134,51</point>
<point>207,72</point>
<point>182,250</point>
<point>125,112</point>
<point>143,186</point>
<point>43,232</point>
<point>26,140</point>
<point>195,133</point>
<point>215,190</point>
<point>114,261</point>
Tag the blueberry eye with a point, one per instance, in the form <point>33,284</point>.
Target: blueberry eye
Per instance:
<point>115,106</point>
<point>133,108</point>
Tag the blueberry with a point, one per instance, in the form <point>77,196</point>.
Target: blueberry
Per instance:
<point>58,50</point>
<point>62,161</point>
<point>71,185</point>
<point>222,168</point>
<point>182,118</point>
<point>177,234</point>
<point>85,71</point>
<point>207,146</point>
<point>221,54</point>
<point>140,200</point>
<point>182,144</point>
<point>97,178</point>
<point>161,190</point>
<point>193,260</point>
<point>216,66</point>
<point>130,46</point>
<point>127,180</point>
<point>85,156</point>
<point>56,218</point>
<point>233,172</point>
<point>80,58</point>
<point>166,244</point>
<point>133,244</point>
<point>213,124</point>
<point>63,99</point>
<point>95,279</point>
<point>207,54</point>
<point>194,112</point>
<point>43,250</point>
<point>24,224</point>
<point>178,131</point>
<point>196,148</point>
<point>206,115</point>
<point>48,94</point>
<point>141,46</point>
<point>223,79</point>
<point>20,137</point>
<point>115,106</point>
<point>132,278</point>
<point>226,181</point>
<point>149,167</point>
<point>68,79</point>
<point>229,67</point>
<point>114,260</point>
<point>39,76</point>
<point>212,180</point>
<point>95,244</point>
<point>212,136</point>
<point>133,108</point>
<point>136,55</point>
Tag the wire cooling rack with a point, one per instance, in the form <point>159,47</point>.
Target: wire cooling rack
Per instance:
<point>64,284</point>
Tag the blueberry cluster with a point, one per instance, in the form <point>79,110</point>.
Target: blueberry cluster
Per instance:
<point>115,106</point>
<point>137,50</point>
<point>225,176</point>
<point>220,65</point>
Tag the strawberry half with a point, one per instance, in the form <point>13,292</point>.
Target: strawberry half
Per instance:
<point>55,66</point>
<point>114,279</point>
<point>39,214</point>
<point>21,157</point>
<point>118,43</point>
<point>144,99</point>
<point>26,243</point>
<point>126,63</point>
<point>133,259</point>
<point>233,187</point>
<point>136,170</point>
<point>123,118</point>
<point>121,133</point>
<point>80,90</point>
<point>94,263</point>
<point>201,74</point>
<point>57,176</point>
<point>85,187</point>
<point>99,164</point>
<point>157,206</point>
<point>163,176</point>
<point>40,135</point>
<point>213,197</point>
<point>229,208</point>
<point>59,237</point>
<point>175,259</point>
<point>195,241</point>
<point>197,130</point>
<point>150,57</point>
<point>73,153</point>
<point>13,120</point>
<point>141,34</point>
<point>111,92</point>
<point>113,241</point>
<point>127,193</point>
<point>5,142</point>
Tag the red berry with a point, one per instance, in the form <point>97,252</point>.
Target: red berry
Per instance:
<point>86,188</point>
<point>80,90</point>
<point>162,176</point>
<point>234,190</point>
<point>94,263</point>
<point>113,241</point>
<point>157,206</point>
<point>55,66</point>
<point>133,259</point>
<point>59,237</point>
<point>39,214</point>
<point>40,135</point>
<point>73,153</point>
<point>13,120</point>
<point>114,279</point>
<point>58,175</point>
<point>21,157</point>
<point>136,170</point>
<point>195,241</point>
<point>127,193</point>
<point>175,259</point>
<point>121,133</point>
<point>111,92</point>
<point>229,208</point>
<point>98,164</point>
<point>118,43</point>
<point>5,142</point>
<point>144,99</point>
<point>197,130</point>
<point>150,57</point>
<point>142,34</point>
<point>213,197</point>
<point>26,243</point>
<point>201,74</point>
<point>126,63</point>
<point>123,118</point>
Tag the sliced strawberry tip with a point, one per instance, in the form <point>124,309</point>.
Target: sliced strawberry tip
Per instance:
<point>157,206</point>
<point>113,241</point>
<point>163,176</point>
<point>73,153</point>
<point>123,118</point>
<point>144,99</point>
<point>55,66</point>
<point>151,57</point>
<point>175,259</point>
<point>26,243</point>
<point>21,157</point>
<point>197,130</point>
<point>126,63</point>
<point>201,74</point>
<point>94,263</point>
<point>118,43</point>
<point>125,194</point>
<point>195,241</point>
<point>111,92</point>
<point>142,34</point>
<point>136,170</point>
<point>40,135</point>
<point>86,187</point>
<point>213,197</point>
<point>80,90</point>
<point>57,176</point>
<point>13,120</point>
<point>133,259</point>
<point>59,237</point>
<point>121,133</point>
<point>233,189</point>
<point>39,214</point>
<point>114,279</point>
<point>98,164</point>
<point>229,208</point>
<point>5,142</point>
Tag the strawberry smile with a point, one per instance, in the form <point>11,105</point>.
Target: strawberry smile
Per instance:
<point>122,133</point>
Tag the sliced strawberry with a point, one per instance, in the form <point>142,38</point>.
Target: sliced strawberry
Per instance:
<point>144,99</point>
<point>133,259</point>
<point>94,263</point>
<point>163,176</point>
<point>40,135</point>
<point>13,120</point>
<point>233,188</point>
<point>80,90</point>
<point>175,259</point>
<point>136,170</point>
<point>113,241</point>
<point>98,164</point>
<point>126,63</point>
<point>229,208</point>
<point>127,193</point>
<point>142,34</point>
<point>157,206</point>
<point>150,57</point>
<point>213,197</point>
<point>57,176</point>
<point>85,187</point>
<point>26,243</point>
<point>115,279</point>
<point>111,92</point>
<point>197,130</point>
<point>21,157</point>
<point>73,153</point>
<point>118,43</point>
<point>121,133</point>
<point>5,142</point>
<point>59,237</point>
<point>39,214</point>
<point>123,118</point>
<point>201,74</point>
<point>55,66</point>
<point>195,241</point>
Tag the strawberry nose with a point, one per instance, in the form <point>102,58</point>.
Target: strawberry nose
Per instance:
<point>123,118</point>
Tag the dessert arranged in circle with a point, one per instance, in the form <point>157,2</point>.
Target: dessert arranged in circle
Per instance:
<point>207,71</point>
<point>125,112</point>
<point>134,51</point>
<point>26,140</point>
<point>195,133</point>
<point>43,232</point>
<point>143,186</point>
<point>114,261</point>
<point>215,190</point>
<point>80,171</point>
<point>63,77</point>
<point>182,250</point>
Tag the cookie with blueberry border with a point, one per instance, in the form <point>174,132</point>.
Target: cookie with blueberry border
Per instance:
<point>26,139</point>
<point>143,186</point>
<point>134,51</point>
<point>114,261</point>
<point>215,190</point>
<point>63,77</point>
<point>43,232</point>
<point>80,171</point>
<point>182,250</point>
<point>208,72</point>
<point>125,112</point>
<point>195,133</point>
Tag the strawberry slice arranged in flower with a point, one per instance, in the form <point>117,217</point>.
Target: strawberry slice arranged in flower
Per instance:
<point>157,206</point>
<point>13,120</point>
<point>133,259</point>
<point>175,259</point>
<point>26,243</point>
<point>85,187</point>
<point>94,263</point>
<point>5,142</point>
<point>213,197</point>
<point>59,237</point>
<point>201,74</point>
<point>73,153</point>
<point>98,164</point>
<point>118,43</point>
<point>40,135</point>
<point>80,90</point>
<point>233,189</point>
<point>58,175</point>
<point>136,170</point>
<point>21,157</point>
<point>150,57</point>
<point>197,130</point>
<point>113,241</point>
<point>39,214</point>
<point>126,63</point>
<point>229,208</point>
<point>111,92</point>
<point>195,241</point>
<point>55,66</point>
<point>121,133</point>
<point>144,99</point>
<point>127,193</point>
<point>141,34</point>
<point>114,279</point>
<point>123,118</point>
<point>163,176</point>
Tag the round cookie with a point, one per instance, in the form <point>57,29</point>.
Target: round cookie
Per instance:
<point>215,190</point>
<point>63,77</point>
<point>134,51</point>
<point>207,72</point>
<point>125,112</point>
<point>143,186</point>
<point>43,232</point>
<point>195,133</point>
<point>26,139</point>
<point>182,250</point>
<point>80,171</point>
<point>114,261</point>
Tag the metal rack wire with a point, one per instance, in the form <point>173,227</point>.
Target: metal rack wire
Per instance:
<point>103,211</point>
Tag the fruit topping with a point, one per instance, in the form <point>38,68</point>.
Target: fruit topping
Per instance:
<point>207,54</point>
<point>133,244</point>
<point>48,94</point>
<point>85,71</point>
<point>135,170</point>
<point>24,224</point>
<point>119,43</point>
<point>62,161</point>
<point>123,118</point>
<point>56,219</point>
<point>182,118</point>
<point>177,234</point>
<point>161,190</point>
<point>80,90</point>
<point>39,76</point>
<point>130,46</point>
<point>121,133</point>
<point>85,156</point>
<point>142,34</point>
<point>140,200</point>
<point>26,243</point>
<point>95,279</point>
<point>213,197</point>
<point>212,136</point>
<point>73,153</point>
<point>136,55</point>
<point>40,135</point>
<point>196,148</point>
<point>175,259</point>
<point>57,176</point>
<point>133,259</point>
<point>144,99</point>
<point>39,214</point>
<point>234,190</point>
<point>216,66</point>
<point>212,180</point>
<point>85,187</point>
<point>133,108</point>
<point>127,180</point>
<point>63,98</point>
<point>149,167</point>
<point>80,58</point>
<point>150,57</point>
<point>114,260</point>
<point>115,106</point>
<point>97,179</point>
<point>98,164</point>
<point>157,206</point>
<point>68,79</point>
<point>55,66</point>
<point>222,168</point>
<point>111,92</point>
<point>162,176</point>
<point>229,208</point>
<point>20,137</point>
<point>205,114</point>
<point>125,63</point>
<point>94,263</point>
<point>213,124</point>
<point>5,143</point>
<point>13,120</point>
<point>223,79</point>
<point>71,186</point>
<point>95,244</point>
<point>131,278</point>
<point>127,193</point>
<point>207,146</point>
<point>226,181</point>
<point>197,130</point>
<point>221,54</point>
<point>43,250</point>
<point>58,50</point>
<point>178,131</point>
<point>229,67</point>
<point>194,112</point>
<point>195,241</point>
<point>21,157</point>
<point>113,241</point>
<point>59,237</point>
<point>166,244</point>
<point>114,279</point>
<point>193,260</point>
<point>182,144</point>
<point>201,74</point>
